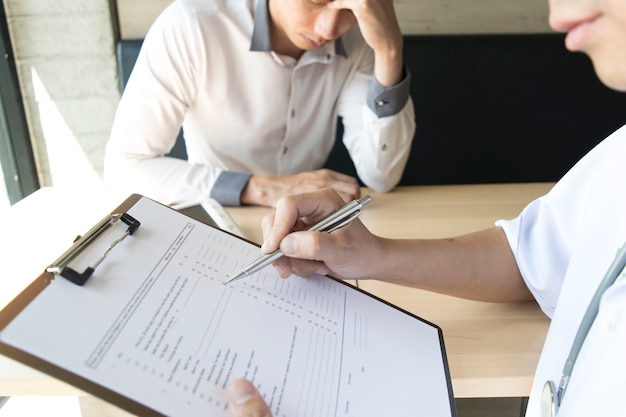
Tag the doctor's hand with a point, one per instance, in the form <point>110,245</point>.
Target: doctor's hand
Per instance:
<point>351,252</point>
<point>266,190</point>
<point>245,401</point>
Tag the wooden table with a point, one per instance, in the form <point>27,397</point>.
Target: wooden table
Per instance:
<point>492,348</point>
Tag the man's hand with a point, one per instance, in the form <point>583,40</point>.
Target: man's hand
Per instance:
<point>245,401</point>
<point>380,28</point>
<point>267,190</point>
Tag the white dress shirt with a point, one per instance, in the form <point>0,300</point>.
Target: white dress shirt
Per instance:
<point>564,243</point>
<point>207,65</point>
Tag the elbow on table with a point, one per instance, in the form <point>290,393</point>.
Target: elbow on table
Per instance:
<point>385,176</point>
<point>382,183</point>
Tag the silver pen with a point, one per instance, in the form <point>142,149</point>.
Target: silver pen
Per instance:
<point>334,221</point>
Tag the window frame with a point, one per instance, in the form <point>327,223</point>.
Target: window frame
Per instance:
<point>16,151</point>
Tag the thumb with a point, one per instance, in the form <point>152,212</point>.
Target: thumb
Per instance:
<point>245,401</point>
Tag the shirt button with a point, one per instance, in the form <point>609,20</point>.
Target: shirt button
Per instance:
<point>381,103</point>
<point>293,113</point>
<point>384,147</point>
<point>285,149</point>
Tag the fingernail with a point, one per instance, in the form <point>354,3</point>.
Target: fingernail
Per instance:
<point>241,392</point>
<point>266,244</point>
<point>289,245</point>
<point>321,271</point>
<point>279,270</point>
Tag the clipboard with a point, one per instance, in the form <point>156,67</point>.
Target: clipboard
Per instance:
<point>135,312</point>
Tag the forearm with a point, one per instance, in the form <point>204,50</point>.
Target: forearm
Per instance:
<point>477,266</point>
<point>170,181</point>
<point>388,63</point>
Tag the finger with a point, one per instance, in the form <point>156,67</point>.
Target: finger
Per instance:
<point>348,189</point>
<point>277,225</point>
<point>310,207</point>
<point>245,401</point>
<point>283,266</point>
<point>350,195</point>
<point>266,226</point>
<point>338,176</point>
<point>358,7</point>
<point>306,245</point>
<point>341,4</point>
<point>286,266</point>
<point>305,269</point>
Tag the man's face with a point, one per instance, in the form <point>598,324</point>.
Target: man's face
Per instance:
<point>307,24</point>
<point>597,28</point>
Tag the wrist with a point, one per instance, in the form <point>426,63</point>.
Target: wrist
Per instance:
<point>375,262</point>
<point>258,191</point>
<point>388,66</point>
<point>252,193</point>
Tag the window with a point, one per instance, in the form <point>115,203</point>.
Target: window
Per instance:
<point>18,174</point>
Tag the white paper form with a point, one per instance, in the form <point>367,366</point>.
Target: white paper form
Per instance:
<point>155,324</point>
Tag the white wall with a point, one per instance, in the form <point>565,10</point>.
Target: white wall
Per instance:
<point>65,56</point>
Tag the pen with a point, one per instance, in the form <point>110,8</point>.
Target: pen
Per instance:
<point>334,221</point>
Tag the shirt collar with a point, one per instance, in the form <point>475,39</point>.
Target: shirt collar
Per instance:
<point>261,34</point>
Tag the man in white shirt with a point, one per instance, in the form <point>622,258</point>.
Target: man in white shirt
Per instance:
<point>557,251</point>
<point>257,86</point>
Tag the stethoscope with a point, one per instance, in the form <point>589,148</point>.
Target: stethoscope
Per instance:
<point>552,395</point>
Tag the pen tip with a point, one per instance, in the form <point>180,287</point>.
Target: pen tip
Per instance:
<point>231,279</point>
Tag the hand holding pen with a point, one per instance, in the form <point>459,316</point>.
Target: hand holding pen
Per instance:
<point>334,221</point>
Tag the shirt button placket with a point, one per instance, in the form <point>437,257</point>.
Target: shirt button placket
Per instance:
<point>285,147</point>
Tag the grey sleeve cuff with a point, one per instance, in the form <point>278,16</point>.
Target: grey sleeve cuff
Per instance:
<point>228,187</point>
<point>387,101</point>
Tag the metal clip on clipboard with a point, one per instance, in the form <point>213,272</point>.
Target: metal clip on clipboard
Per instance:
<point>60,266</point>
